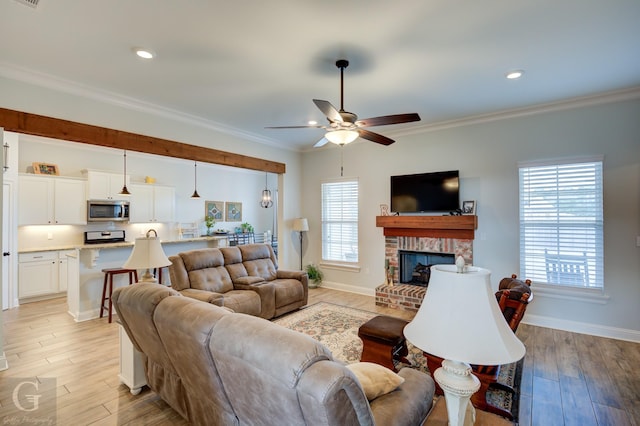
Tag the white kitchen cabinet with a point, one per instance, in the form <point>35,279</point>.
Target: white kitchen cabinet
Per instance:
<point>104,185</point>
<point>152,203</point>
<point>45,273</point>
<point>49,200</point>
<point>37,274</point>
<point>64,272</point>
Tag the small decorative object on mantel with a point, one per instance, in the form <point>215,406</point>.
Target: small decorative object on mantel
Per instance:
<point>460,264</point>
<point>392,271</point>
<point>386,272</point>
<point>45,169</point>
<point>384,210</point>
<point>469,207</point>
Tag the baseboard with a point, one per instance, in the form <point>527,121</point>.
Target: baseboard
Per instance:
<point>4,364</point>
<point>350,288</point>
<point>85,315</point>
<point>531,319</point>
<point>582,327</point>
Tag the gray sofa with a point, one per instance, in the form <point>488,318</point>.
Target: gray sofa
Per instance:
<point>243,278</point>
<point>215,367</point>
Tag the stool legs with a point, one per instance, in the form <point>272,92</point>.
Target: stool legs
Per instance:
<point>107,287</point>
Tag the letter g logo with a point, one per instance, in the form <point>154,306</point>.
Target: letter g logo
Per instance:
<point>31,398</point>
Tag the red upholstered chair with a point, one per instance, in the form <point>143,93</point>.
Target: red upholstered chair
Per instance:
<point>513,296</point>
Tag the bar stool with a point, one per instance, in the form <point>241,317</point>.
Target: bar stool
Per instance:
<point>108,281</point>
<point>157,272</point>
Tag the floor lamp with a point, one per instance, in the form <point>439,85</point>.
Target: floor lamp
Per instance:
<point>460,321</point>
<point>301,225</point>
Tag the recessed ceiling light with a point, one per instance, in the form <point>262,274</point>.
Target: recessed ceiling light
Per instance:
<point>312,122</point>
<point>143,53</point>
<point>514,75</point>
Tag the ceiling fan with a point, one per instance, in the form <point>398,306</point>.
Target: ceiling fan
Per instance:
<point>344,127</point>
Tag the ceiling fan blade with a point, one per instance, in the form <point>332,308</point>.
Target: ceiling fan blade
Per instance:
<point>329,110</point>
<point>294,127</point>
<point>388,119</point>
<point>375,137</point>
<point>321,142</point>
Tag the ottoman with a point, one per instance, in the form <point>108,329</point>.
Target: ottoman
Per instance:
<point>383,341</point>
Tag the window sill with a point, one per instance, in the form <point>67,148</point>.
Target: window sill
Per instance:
<point>348,267</point>
<point>588,295</point>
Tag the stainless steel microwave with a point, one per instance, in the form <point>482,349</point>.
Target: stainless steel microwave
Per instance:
<point>107,211</point>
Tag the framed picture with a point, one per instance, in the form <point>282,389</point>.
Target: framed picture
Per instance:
<point>45,169</point>
<point>469,207</point>
<point>215,209</point>
<point>234,211</point>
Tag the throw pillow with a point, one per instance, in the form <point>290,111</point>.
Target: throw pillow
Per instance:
<point>375,379</point>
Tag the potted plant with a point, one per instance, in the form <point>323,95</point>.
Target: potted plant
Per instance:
<point>209,222</point>
<point>246,227</point>
<point>315,275</point>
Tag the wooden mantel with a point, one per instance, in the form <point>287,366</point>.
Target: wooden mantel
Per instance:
<point>462,227</point>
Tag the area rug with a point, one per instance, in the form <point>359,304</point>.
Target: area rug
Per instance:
<point>337,326</point>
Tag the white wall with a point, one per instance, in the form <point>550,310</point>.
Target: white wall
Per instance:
<point>486,155</point>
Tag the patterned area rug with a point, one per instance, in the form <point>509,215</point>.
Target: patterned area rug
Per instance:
<point>337,328</point>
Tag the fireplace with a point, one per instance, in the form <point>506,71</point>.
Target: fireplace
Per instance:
<point>414,265</point>
<point>446,236</point>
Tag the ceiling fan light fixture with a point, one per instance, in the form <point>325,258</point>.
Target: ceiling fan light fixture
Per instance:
<point>342,137</point>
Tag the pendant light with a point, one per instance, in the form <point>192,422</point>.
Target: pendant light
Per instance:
<point>266,201</point>
<point>124,190</point>
<point>195,181</point>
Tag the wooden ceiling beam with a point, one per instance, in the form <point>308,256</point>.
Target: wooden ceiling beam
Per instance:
<point>55,128</point>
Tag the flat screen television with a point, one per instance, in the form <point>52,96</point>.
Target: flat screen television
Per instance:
<point>426,192</point>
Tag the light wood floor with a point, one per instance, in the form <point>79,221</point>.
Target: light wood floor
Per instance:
<point>566,380</point>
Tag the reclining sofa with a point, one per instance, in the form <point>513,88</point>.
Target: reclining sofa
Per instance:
<point>244,278</point>
<point>215,367</point>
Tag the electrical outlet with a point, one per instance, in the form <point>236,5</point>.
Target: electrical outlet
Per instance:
<point>49,235</point>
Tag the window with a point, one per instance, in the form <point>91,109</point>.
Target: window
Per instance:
<point>340,220</point>
<point>561,223</point>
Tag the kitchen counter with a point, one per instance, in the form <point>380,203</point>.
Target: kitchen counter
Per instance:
<point>215,238</point>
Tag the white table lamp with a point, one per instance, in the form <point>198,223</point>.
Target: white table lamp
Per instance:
<point>460,321</point>
<point>147,254</point>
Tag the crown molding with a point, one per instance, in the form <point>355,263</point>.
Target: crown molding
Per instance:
<point>574,103</point>
<point>48,81</point>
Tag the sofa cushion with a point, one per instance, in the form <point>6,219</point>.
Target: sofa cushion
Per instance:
<point>375,379</point>
<point>215,279</point>
<point>244,301</point>
<point>263,268</point>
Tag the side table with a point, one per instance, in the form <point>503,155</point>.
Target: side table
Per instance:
<point>131,364</point>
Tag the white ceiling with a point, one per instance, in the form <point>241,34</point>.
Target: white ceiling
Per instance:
<point>243,65</point>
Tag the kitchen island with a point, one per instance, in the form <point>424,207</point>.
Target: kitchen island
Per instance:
<point>84,276</point>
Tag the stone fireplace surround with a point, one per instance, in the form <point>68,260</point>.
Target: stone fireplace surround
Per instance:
<point>433,234</point>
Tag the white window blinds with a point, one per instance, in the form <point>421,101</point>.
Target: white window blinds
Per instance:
<point>561,223</point>
<point>340,220</point>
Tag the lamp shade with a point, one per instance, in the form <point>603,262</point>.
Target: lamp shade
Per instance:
<point>341,137</point>
<point>460,320</point>
<point>300,224</point>
<point>147,254</point>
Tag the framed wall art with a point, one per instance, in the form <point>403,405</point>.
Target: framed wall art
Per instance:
<point>214,209</point>
<point>45,169</point>
<point>233,211</point>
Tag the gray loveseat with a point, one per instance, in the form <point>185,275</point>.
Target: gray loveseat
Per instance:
<point>215,367</point>
<point>243,278</point>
